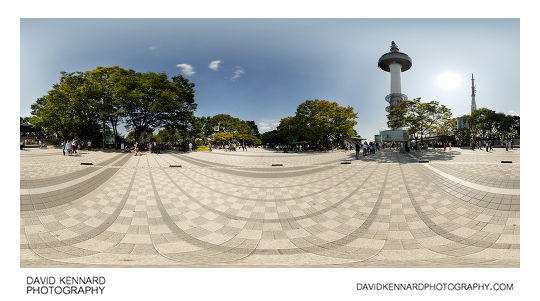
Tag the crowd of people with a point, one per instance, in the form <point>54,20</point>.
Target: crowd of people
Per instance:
<point>72,146</point>
<point>488,144</point>
<point>367,148</point>
<point>229,147</point>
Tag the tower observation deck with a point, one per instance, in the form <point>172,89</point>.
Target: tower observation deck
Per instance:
<point>395,62</point>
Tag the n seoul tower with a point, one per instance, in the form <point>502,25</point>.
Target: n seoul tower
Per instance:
<point>395,62</point>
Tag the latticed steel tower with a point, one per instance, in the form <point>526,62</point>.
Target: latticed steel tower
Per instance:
<point>395,62</point>
<point>473,95</point>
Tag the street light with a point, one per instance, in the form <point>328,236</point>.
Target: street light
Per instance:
<point>103,114</point>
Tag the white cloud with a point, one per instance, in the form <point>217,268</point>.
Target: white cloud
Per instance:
<point>512,113</point>
<point>152,48</point>
<point>237,73</point>
<point>214,65</point>
<point>267,125</point>
<point>186,69</point>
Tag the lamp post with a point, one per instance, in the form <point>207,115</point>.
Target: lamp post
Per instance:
<point>103,113</point>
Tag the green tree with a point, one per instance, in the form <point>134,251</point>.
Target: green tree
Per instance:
<point>254,128</point>
<point>421,118</point>
<point>178,111</point>
<point>67,110</point>
<point>224,137</point>
<point>167,136</point>
<point>105,88</point>
<point>227,123</point>
<point>483,123</point>
<point>271,137</point>
<point>289,129</point>
<point>324,123</point>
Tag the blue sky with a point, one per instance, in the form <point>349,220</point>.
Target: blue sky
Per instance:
<point>267,67</point>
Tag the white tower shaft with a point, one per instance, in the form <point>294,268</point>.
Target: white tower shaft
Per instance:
<point>395,78</point>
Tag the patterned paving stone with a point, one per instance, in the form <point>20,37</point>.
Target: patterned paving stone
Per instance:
<point>236,209</point>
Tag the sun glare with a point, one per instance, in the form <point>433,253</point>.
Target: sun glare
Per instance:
<point>448,80</point>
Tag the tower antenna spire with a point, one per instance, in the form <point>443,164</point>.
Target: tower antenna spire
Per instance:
<point>473,95</point>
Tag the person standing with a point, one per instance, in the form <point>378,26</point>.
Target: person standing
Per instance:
<point>357,150</point>
<point>63,147</point>
<point>487,146</point>
<point>190,147</point>
<point>364,149</point>
<point>68,147</point>
<point>506,144</point>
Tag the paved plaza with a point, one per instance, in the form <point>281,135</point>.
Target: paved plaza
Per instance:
<point>234,209</point>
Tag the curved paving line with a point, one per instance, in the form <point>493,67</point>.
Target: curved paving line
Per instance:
<point>251,186</point>
<point>68,194</point>
<point>231,250</point>
<point>476,178</point>
<point>339,248</point>
<point>255,174</point>
<point>212,164</point>
<point>270,220</point>
<point>94,232</point>
<point>476,197</point>
<point>272,200</point>
<point>40,155</point>
<point>348,252</point>
<point>291,155</point>
<point>55,180</point>
<point>467,245</point>
<point>340,243</point>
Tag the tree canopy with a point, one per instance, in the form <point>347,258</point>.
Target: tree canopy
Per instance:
<point>318,122</point>
<point>81,101</point>
<point>488,124</point>
<point>421,118</point>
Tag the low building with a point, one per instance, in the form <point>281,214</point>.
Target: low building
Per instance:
<point>396,135</point>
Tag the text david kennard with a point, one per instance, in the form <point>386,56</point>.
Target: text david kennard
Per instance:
<point>65,285</point>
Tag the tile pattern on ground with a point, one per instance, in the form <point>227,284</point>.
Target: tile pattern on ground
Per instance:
<point>235,209</point>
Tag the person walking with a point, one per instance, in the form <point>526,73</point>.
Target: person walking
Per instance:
<point>506,144</point>
<point>63,147</point>
<point>487,146</point>
<point>190,147</point>
<point>357,151</point>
